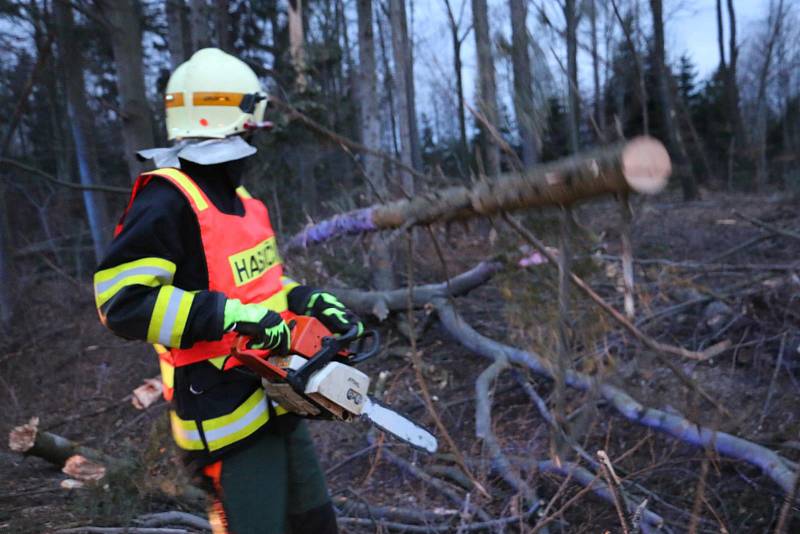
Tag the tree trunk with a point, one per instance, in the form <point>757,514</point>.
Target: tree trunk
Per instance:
<point>297,43</point>
<point>487,85</point>
<point>642,89</point>
<point>81,124</point>
<point>403,90</point>
<point>523,83</point>
<point>573,109</point>
<point>388,86</point>
<point>457,41</point>
<point>641,165</point>
<point>199,20</point>
<point>380,259</point>
<point>673,135</point>
<point>775,25</point>
<point>223,22</point>
<point>5,265</point>
<point>732,90</point>
<point>599,111</point>
<point>176,18</point>
<point>721,39</point>
<point>126,42</point>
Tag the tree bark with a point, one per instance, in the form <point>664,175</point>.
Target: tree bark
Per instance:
<point>487,85</point>
<point>641,165</point>
<point>573,109</point>
<point>199,20</point>
<point>458,40</point>
<point>176,18</point>
<point>404,89</point>
<point>126,42</point>
<point>223,21</point>
<point>721,39</point>
<point>380,259</point>
<point>523,83</point>
<point>673,135</point>
<point>599,98</point>
<point>297,43</point>
<point>760,137</point>
<point>81,124</point>
<point>642,89</point>
<point>5,265</point>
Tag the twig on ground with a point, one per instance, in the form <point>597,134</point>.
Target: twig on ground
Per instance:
<point>121,530</point>
<point>393,513</point>
<point>174,518</point>
<point>627,255</point>
<point>636,520</point>
<point>483,429</point>
<point>423,385</point>
<point>614,487</point>
<point>778,365</point>
<point>766,226</point>
<point>437,484</point>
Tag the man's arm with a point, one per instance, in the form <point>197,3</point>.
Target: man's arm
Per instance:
<point>135,290</point>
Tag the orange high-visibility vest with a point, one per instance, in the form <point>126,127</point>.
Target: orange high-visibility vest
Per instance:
<point>242,259</point>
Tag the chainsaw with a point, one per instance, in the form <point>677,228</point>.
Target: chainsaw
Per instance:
<point>318,380</point>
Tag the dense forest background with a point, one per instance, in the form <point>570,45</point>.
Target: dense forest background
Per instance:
<point>359,120</point>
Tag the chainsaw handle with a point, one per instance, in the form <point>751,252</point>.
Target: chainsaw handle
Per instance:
<point>361,354</point>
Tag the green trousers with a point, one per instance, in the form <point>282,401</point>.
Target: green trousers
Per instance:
<point>276,485</point>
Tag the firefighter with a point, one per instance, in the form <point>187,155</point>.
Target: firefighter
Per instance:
<point>193,264</point>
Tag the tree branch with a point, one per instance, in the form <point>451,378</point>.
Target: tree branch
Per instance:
<point>641,165</point>
<point>72,185</point>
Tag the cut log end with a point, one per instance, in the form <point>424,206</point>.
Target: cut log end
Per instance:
<point>81,468</point>
<point>23,437</point>
<point>646,165</point>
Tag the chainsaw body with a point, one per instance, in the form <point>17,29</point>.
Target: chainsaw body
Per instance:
<point>317,379</point>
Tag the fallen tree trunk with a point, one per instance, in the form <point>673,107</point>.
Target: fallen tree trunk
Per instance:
<point>641,165</point>
<point>27,439</point>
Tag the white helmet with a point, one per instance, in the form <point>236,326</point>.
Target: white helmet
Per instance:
<point>213,95</point>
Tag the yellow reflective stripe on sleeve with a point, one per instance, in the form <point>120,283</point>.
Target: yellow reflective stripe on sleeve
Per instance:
<point>288,284</point>
<point>242,192</point>
<point>151,272</point>
<point>169,316</point>
<point>188,186</point>
<point>185,433</point>
<point>167,374</point>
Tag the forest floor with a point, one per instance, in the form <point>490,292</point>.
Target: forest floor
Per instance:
<point>62,366</point>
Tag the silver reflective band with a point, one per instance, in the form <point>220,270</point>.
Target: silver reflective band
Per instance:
<point>168,322</point>
<point>218,433</point>
<point>163,275</point>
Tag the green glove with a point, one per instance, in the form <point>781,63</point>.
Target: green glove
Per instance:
<point>332,313</point>
<point>267,328</point>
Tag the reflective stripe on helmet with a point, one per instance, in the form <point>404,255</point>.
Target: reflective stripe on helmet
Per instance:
<point>173,100</point>
<point>217,98</point>
<point>151,272</point>
<point>169,316</point>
